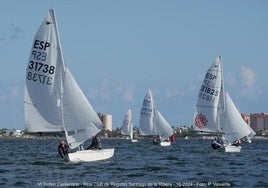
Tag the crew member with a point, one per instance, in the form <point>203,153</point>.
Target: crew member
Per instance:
<point>95,143</point>
<point>63,149</point>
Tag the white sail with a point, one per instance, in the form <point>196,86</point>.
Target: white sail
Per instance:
<point>235,127</point>
<point>162,126</point>
<point>131,131</point>
<point>80,119</point>
<point>126,124</point>
<point>146,126</point>
<point>53,100</point>
<point>151,120</point>
<point>209,104</point>
<point>43,81</point>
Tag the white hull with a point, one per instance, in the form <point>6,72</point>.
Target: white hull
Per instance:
<point>229,148</point>
<point>165,143</point>
<point>134,140</point>
<point>90,155</point>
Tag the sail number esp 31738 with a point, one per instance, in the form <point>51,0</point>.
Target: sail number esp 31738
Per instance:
<point>38,70</point>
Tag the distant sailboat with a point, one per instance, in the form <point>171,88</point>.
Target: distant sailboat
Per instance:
<point>152,122</point>
<point>53,101</point>
<point>215,111</point>
<point>127,126</point>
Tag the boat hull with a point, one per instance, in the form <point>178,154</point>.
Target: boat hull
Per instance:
<point>134,140</point>
<point>89,155</point>
<point>229,148</point>
<point>165,143</point>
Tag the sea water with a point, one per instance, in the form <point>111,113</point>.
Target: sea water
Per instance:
<point>187,163</point>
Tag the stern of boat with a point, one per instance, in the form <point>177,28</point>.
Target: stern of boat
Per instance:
<point>165,143</point>
<point>229,148</point>
<point>90,155</point>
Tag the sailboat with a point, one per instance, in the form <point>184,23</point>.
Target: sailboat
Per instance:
<point>215,111</point>
<point>53,101</point>
<point>152,123</point>
<point>127,126</point>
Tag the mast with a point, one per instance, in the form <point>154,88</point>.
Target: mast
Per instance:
<point>222,82</point>
<point>223,108</point>
<point>62,70</point>
<point>155,132</point>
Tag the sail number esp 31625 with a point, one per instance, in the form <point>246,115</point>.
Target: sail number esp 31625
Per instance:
<point>208,91</point>
<point>38,70</point>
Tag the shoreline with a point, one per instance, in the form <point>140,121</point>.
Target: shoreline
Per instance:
<point>110,138</point>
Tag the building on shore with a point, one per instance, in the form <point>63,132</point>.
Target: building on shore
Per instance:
<point>257,121</point>
<point>246,118</point>
<point>11,133</point>
<point>106,120</point>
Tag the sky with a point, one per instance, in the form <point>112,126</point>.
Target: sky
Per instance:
<point>117,50</point>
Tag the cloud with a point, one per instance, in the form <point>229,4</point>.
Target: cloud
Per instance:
<point>249,82</point>
<point>11,93</point>
<point>12,33</point>
<point>15,29</point>
<point>230,80</point>
<point>189,90</point>
<point>111,88</point>
<point>2,38</point>
<point>248,77</point>
<point>128,93</point>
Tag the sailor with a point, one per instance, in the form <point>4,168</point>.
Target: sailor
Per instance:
<point>156,140</point>
<point>236,143</point>
<point>95,143</point>
<point>63,149</point>
<point>220,141</point>
<point>172,138</point>
<point>215,143</point>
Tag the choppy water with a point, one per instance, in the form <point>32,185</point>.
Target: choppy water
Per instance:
<point>35,163</point>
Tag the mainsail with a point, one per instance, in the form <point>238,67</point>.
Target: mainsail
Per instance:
<point>151,120</point>
<point>208,107</point>
<point>43,81</point>
<point>53,100</point>
<point>146,115</point>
